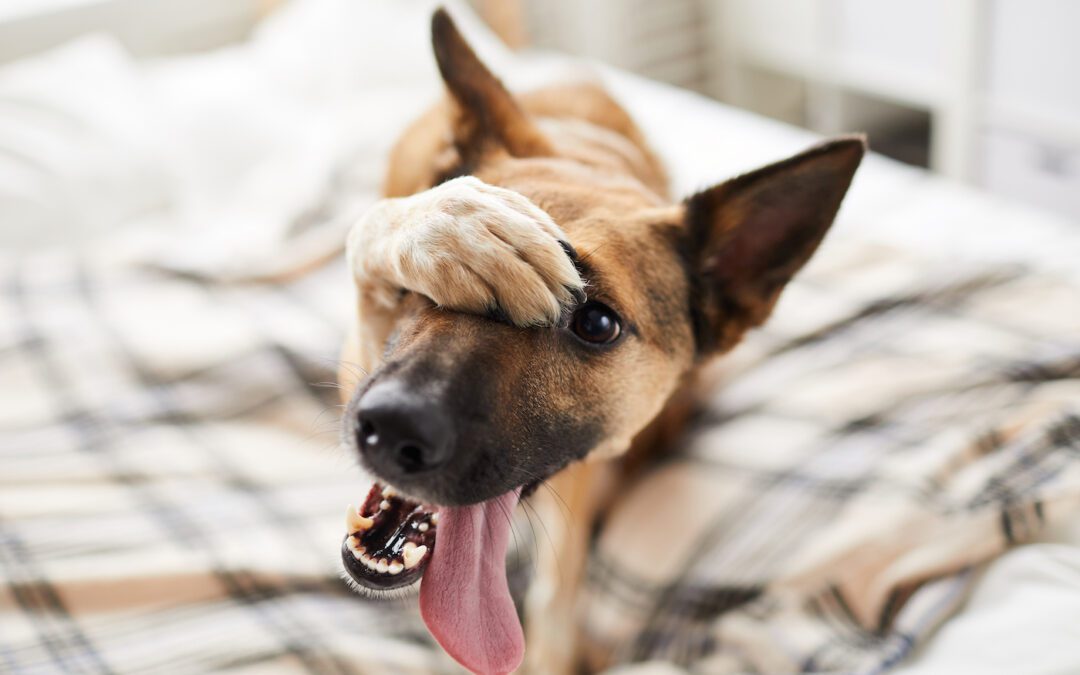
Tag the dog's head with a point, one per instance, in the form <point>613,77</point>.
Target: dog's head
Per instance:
<point>467,407</point>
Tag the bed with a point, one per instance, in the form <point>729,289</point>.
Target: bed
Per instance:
<point>887,479</point>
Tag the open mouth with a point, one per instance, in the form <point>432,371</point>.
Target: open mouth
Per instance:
<point>389,539</point>
<point>465,601</point>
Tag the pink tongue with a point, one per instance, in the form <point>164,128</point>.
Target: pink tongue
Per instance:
<point>464,598</point>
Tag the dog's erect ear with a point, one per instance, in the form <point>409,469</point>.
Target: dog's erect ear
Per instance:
<point>485,112</point>
<point>747,237</point>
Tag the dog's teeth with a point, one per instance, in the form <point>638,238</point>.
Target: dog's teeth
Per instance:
<point>435,518</point>
<point>423,527</point>
<point>384,505</point>
<point>395,567</point>
<point>413,555</point>
<point>370,562</point>
<point>355,522</point>
<point>355,547</point>
<point>382,566</point>
<point>389,492</point>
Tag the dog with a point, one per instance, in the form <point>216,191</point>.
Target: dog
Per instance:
<point>532,307</point>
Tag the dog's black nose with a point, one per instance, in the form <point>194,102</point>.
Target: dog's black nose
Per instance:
<point>402,432</point>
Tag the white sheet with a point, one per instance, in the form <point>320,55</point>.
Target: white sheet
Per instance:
<point>1022,617</point>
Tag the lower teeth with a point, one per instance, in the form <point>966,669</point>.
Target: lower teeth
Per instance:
<point>387,505</point>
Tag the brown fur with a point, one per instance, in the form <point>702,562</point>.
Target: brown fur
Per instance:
<point>688,279</point>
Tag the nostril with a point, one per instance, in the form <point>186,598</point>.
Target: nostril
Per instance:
<point>400,433</point>
<point>367,434</point>
<point>411,458</point>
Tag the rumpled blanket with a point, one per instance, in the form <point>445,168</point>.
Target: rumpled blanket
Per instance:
<point>170,481</point>
<point>896,425</point>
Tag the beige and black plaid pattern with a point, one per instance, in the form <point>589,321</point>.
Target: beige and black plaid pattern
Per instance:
<point>171,482</point>
<point>171,485</point>
<point>898,424</point>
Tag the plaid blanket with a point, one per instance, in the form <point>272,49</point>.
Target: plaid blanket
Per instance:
<point>895,425</point>
<point>171,483</point>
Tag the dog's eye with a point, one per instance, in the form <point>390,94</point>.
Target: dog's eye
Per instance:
<point>596,323</point>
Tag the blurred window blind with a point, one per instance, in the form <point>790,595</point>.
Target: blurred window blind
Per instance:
<point>664,41</point>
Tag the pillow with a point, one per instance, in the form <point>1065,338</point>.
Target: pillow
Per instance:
<point>236,148</point>
<point>78,151</point>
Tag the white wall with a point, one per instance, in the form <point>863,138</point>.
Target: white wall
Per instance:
<point>146,27</point>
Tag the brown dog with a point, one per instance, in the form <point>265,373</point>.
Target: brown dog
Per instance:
<point>530,301</point>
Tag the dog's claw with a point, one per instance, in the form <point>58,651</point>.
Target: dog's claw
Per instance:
<point>571,252</point>
<point>578,294</point>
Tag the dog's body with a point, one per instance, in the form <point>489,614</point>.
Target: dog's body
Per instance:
<point>584,303</point>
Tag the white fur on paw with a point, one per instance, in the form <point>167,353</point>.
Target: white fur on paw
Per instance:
<point>468,246</point>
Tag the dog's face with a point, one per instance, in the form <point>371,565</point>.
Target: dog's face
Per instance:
<point>467,407</point>
<point>497,407</point>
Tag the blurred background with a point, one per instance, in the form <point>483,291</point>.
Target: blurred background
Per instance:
<point>981,91</point>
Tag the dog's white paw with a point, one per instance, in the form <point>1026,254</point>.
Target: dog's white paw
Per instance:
<point>467,246</point>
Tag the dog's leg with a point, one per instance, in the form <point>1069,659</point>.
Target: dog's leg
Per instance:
<point>465,245</point>
<point>566,511</point>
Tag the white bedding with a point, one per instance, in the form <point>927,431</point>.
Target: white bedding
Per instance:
<point>92,144</point>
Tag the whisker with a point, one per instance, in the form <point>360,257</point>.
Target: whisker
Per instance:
<point>587,255</point>
<point>565,509</point>
<point>551,542</point>
<point>543,482</point>
<point>510,523</point>
<point>325,410</point>
<point>526,506</point>
<point>356,370</point>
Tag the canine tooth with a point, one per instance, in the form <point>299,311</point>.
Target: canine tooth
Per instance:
<point>395,567</point>
<point>413,555</point>
<point>382,566</point>
<point>384,505</point>
<point>355,522</point>
<point>423,527</point>
<point>389,492</point>
<point>435,518</point>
